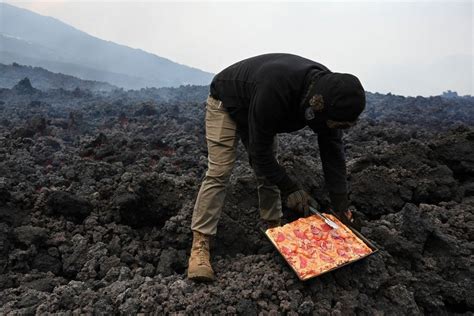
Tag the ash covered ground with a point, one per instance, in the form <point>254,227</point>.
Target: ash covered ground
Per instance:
<point>97,192</point>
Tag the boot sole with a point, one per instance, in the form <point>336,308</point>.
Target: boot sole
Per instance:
<point>201,278</point>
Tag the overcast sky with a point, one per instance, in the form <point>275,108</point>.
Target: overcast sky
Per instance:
<point>408,48</point>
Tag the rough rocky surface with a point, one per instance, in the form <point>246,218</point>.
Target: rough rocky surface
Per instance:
<point>97,192</point>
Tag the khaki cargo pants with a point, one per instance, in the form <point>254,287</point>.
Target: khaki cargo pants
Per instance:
<point>222,139</point>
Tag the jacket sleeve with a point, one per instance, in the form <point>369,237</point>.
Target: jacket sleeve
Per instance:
<point>266,110</point>
<point>333,159</point>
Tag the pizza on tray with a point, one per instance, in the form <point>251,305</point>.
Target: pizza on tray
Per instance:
<point>312,247</point>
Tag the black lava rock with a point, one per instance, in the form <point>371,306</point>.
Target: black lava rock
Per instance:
<point>97,192</point>
<point>71,206</point>
<point>171,261</point>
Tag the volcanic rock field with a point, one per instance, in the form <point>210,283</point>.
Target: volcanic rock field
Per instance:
<point>97,191</point>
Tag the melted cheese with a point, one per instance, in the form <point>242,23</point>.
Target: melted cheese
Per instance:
<point>312,247</point>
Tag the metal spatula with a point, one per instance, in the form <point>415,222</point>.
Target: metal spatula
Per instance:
<point>326,220</point>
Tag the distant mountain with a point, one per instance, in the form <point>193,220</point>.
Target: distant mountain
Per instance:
<point>43,79</point>
<point>33,39</point>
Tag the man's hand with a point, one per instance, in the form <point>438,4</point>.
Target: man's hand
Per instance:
<point>346,217</point>
<point>300,201</point>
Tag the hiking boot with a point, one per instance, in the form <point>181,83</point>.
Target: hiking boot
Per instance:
<point>199,268</point>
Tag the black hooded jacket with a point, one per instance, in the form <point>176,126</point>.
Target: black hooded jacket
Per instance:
<point>265,95</point>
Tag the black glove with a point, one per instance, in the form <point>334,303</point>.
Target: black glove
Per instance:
<point>300,201</point>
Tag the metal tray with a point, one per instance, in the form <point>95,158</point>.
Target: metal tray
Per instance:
<point>370,244</point>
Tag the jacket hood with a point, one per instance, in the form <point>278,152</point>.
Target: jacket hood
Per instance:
<point>334,96</point>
